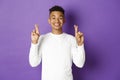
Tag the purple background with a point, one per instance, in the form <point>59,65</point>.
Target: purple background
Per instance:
<point>99,20</point>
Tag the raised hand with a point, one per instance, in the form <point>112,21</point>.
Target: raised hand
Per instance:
<point>79,36</point>
<point>35,35</point>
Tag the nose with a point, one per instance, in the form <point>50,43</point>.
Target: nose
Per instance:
<point>57,20</point>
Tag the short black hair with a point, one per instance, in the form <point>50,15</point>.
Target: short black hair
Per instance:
<point>56,8</point>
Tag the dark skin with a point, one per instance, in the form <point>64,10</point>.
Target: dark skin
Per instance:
<point>56,20</point>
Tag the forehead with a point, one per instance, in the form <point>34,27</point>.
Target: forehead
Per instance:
<point>56,13</point>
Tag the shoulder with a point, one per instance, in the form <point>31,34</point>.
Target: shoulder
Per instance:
<point>69,36</point>
<point>44,35</point>
<point>71,39</point>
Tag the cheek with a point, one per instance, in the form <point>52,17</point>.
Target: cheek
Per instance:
<point>51,21</point>
<point>62,21</point>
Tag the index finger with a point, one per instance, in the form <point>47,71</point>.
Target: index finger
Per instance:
<point>36,28</point>
<point>76,29</point>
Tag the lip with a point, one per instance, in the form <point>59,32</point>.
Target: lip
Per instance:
<point>57,25</point>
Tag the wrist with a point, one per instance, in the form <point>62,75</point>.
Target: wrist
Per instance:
<point>34,42</point>
<point>80,44</point>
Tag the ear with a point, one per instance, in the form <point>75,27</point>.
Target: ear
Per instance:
<point>64,20</point>
<point>49,20</point>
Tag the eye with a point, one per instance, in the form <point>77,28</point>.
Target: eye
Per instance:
<point>53,17</point>
<point>61,17</point>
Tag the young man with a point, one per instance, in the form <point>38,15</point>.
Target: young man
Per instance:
<point>56,49</point>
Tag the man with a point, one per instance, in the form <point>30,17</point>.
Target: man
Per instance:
<point>56,49</point>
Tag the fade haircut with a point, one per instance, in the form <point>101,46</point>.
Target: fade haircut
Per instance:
<point>56,8</point>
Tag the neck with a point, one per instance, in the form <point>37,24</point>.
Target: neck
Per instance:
<point>57,31</point>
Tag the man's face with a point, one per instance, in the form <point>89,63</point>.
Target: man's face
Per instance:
<point>56,20</point>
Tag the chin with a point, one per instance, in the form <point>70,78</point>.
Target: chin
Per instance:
<point>57,27</point>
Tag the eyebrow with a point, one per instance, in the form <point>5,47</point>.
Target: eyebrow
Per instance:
<point>54,15</point>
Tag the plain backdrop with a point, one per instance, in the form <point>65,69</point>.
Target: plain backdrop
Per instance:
<point>99,20</point>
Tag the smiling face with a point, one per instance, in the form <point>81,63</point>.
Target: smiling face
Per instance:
<point>56,20</point>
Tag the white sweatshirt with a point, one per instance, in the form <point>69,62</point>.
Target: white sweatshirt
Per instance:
<point>57,53</point>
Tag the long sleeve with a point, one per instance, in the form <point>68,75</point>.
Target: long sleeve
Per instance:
<point>35,54</point>
<point>78,55</point>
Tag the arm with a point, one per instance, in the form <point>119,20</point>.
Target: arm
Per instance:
<point>78,55</point>
<point>78,48</point>
<point>35,52</point>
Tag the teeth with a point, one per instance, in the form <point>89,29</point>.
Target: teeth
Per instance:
<point>56,24</point>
